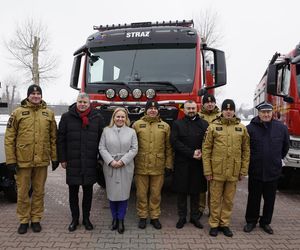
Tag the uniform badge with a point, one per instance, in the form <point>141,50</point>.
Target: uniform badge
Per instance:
<point>25,113</point>
<point>9,122</point>
<point>161,126</point>
<point>219,128</point>
<point>45,114</point>
<point>142,125</point>
<point>238,129</point>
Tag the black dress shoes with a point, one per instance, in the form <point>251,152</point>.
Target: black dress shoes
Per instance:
<point>36,227</point>
<point>155,223</point>
<point>114,224</point>
<point>87,224</point>
<point>23,228</point>
<point>249,227</point>
<point>267,228</point>
<point>196,223</point>
<point>180,223</point>
<point>226,231</point>
<point>213,231</point>
<point>73,226</point>
<point>142,223</point>
<point>121,227</point>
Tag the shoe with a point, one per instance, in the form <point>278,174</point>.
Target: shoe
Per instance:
<point>114,224</point>
<point>73,226</point>
<point>36,227</point>
<point>226,231</point>
<point>267,228</point>
<point>142,223</point>
<point>155,223</point>
<point>23,228</point>
<point>213,231</point>
<point>121,227</point>
<point>180,223</point>
<point>249,227</point>
<point>196,223</point>
<point>87,224</point>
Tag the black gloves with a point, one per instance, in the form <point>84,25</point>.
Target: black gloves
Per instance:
<point>168,172</point>
<point>12,170</point>
<point>54,165</point>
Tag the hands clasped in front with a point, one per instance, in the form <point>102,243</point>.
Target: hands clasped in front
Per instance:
<point>117,164</point>
<point>197,154</point>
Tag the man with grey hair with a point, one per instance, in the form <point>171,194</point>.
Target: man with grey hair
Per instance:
<point>79,134</point>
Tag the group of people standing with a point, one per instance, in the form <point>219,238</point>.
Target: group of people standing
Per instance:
<point>211,149</point>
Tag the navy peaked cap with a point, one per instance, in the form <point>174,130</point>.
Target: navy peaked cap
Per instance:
<point>264,106</point>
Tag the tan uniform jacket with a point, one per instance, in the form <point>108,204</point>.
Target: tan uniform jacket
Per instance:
<point>30,138</point>
<point>155,151</point>
<point>226,150</point>
<point>209,116</point>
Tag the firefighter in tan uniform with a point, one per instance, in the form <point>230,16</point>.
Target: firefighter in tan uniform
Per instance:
<point>153,160</point>
<point>225,155</point>
<point>209,112</point>
<point>30,144</point>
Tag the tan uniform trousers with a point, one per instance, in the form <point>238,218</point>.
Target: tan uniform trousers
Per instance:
<point>148,195</point>
<point>221,202</point>
<point>31,209</point>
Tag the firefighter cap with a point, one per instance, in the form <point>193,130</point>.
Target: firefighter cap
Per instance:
<point>151,103</point>
<point>208,98</point>
<point>33,88</point>
<point>264,106</point>
<point>228,104</point>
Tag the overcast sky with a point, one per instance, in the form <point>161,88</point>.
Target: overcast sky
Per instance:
<point>252,32</point>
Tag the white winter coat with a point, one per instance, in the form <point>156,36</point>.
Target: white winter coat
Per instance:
<point>118,144</point>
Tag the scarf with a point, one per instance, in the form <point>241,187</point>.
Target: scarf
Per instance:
<point>83,115</point>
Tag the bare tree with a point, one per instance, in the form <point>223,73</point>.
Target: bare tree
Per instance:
<point>30,49</point>
<point>207,24</point>
<point>10,94</point>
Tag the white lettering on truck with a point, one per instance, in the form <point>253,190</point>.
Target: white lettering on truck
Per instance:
<point>138,34</point>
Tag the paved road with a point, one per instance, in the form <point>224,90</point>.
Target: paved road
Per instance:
<point>55,235</point>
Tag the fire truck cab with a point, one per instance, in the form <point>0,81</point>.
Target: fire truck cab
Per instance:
<point>126,65</point>
<point>280,86</point>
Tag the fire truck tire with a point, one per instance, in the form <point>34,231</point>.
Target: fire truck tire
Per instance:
<point>11,193</point>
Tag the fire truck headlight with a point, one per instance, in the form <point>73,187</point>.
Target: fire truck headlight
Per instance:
<point>110,93</point>
<point>150,93</point>
<point>137,93</point>
<point>123,93</point>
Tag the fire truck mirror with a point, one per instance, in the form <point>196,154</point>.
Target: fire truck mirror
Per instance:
<point>272,79</point>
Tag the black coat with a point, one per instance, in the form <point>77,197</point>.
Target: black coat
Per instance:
<point>269,144</point>
<point>78,146</point>
<point>187,136</point>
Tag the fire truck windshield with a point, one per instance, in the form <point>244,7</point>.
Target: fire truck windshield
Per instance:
<point>175,66</point>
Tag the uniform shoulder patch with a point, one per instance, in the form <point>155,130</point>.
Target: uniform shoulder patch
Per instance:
<point>45,113</point>
<point>161,126</point>
<point>219,128</point>
<point>238,129</point>
<point>25,113</point>
<point>9,122</point>
<point>142,125</point>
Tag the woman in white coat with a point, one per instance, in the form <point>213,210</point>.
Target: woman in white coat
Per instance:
<point>118,147</point>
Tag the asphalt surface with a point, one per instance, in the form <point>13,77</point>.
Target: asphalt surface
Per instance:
<point>55,234</point>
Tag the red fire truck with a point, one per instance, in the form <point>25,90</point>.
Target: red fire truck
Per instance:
<point>280,86</point>
<point>125,65</point>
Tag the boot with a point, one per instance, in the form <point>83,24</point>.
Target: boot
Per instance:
<point>121,227</point>
<point>87,224</point>
<point>114,224</point>
<point>36,227</point>
<point>23,228</point>
<point>73,226</point>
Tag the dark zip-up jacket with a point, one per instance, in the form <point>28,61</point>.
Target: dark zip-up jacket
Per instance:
<point>269,144</point>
